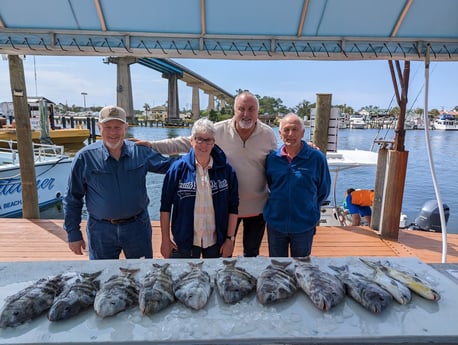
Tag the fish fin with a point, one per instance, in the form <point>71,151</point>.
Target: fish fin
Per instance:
<point>369,263</point>
<point>230,263</point>
<point>339,269</point>
<point>91,276</point>
<point>303,259</point>
<point>197,265</point>
<point>280,263</point>
<point>129,271</point>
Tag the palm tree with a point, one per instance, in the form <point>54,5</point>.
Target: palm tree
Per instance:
<point>419,111</point>
<point>147,109</point>
<point>303,109</point>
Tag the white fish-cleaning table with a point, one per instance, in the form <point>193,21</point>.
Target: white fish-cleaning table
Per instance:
<point>296,321</point>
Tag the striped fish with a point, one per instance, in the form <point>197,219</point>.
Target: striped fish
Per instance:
<point>324,289</point>
<point>276,283</point>
<point>364,291</point>
<point>32,301</point>
<point>78,295</point>
<point>156,290</point>
<point>234,283</point>
<point>117,294</point>
<point>193,288</point>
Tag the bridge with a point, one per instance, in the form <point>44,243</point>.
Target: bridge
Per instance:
<point>173,72</point>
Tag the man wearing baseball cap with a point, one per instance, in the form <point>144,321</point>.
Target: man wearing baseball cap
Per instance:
<point>109,177</point>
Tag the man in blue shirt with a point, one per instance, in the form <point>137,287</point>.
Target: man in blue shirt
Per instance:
<point>299,181</point>
<point>110,177</point>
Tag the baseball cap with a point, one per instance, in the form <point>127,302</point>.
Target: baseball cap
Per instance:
<point>112,112</point>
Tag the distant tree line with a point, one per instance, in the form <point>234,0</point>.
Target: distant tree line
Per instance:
<point>269,106</point>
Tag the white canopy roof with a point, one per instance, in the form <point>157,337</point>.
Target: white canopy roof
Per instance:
<point>236,29</point>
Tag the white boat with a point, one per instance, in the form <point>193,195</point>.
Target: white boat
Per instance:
<point>52,168</point>
<point>343,121</point>
<point>357,122</point>
<point>331,214</point>
<point>338,161</point>
<point>446,122</point>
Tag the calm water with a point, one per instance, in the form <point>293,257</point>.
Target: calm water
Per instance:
<point>418,187</point>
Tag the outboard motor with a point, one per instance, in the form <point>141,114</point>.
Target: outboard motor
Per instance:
<point>429,217</point>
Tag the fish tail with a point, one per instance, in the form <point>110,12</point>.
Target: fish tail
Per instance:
<point>230,263</point>
<point>303,259</point>
<point>339,269</point>
<point>129,271</point>
<point>369,263</point>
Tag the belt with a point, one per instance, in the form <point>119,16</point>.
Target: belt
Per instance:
<point>122,220</point>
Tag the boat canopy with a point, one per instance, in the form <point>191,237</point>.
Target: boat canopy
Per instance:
<point>236,29</point>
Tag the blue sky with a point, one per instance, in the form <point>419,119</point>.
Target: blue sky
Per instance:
<point>355,83</point>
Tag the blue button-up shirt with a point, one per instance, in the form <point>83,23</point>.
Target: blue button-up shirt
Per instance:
<point>112,189</point>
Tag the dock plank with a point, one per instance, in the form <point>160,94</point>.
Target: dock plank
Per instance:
<point>45,240</point>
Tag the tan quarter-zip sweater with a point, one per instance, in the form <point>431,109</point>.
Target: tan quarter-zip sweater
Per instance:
<point>247,158</point>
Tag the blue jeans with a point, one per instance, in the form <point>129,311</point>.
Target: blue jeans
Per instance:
<point>106,240</point>
<point>253,232</point>
<point>300,244</point>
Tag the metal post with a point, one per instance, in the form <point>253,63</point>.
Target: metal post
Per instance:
<point>84,99</point>
<point>93,134</point>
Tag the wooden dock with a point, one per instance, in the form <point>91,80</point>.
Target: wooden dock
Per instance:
<point>45,240</point>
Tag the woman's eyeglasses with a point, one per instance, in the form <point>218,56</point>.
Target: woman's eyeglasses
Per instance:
<point>207,141</point>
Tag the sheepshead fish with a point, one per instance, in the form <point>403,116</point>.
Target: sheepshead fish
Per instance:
<point>156,290</point>
<point>412,281</point>
<point>364,291</point>
<point>193,288</point>
<point>400,292</point>
<point>234,283</point>
<point>324,289</point>
<point>32,301</point>
<point>276,283</point>
<point>117,294</point>
<point>78,294</point>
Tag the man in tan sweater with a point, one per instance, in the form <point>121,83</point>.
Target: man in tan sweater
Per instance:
<point>246,143</point>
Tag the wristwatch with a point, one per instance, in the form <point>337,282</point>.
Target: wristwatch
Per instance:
<point>232,238</point>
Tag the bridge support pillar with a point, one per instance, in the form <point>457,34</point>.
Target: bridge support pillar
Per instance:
<point>195,103</point>
<point>173,108</point>
<point>211,102</point>
<point>124,97</point>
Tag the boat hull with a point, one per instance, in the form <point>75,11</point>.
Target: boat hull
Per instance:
<point>446,122</point>
<point>58,136</point>
<point>442,127</point>
<point>52,179</point>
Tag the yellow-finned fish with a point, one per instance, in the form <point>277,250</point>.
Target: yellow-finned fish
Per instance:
<point>399,291</point>
<point>411,280</point>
